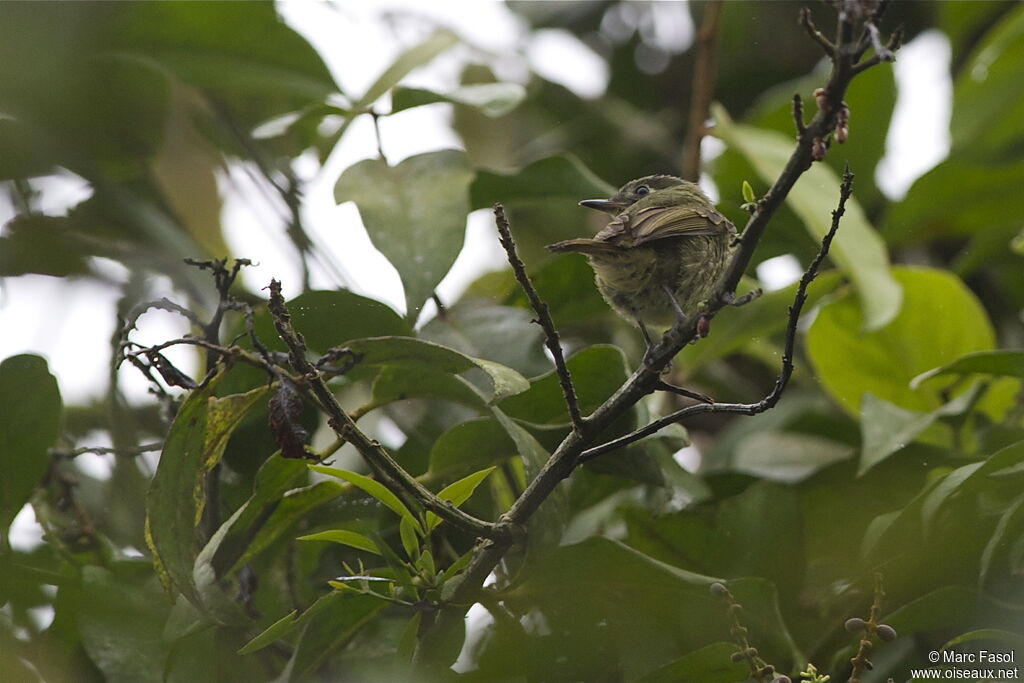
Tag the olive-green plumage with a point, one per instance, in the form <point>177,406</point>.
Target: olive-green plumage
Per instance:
<point>666,244</point>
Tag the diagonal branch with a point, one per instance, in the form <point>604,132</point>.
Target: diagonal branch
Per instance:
<point>543,319</point>
<point>345,427</point>
<point>785,373</point>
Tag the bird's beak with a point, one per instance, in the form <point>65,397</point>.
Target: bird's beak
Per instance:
<point>607,205</point>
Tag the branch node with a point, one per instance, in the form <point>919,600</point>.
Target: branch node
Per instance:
<point>817,36</point>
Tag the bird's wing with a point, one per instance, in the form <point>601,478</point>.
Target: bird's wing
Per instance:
<point>657,223</point>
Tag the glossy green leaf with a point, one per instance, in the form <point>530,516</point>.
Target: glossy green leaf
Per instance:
<point>940,321</point>
<point>458,493</point>
<point>29,425</point>
<point>1014,640</point>
<point>373,487</point>
<point>988,96</point>
<point>401,352</point>
<point>412,58</point>
<point>345,537</point>
<point>597,371</point>
<point>330,318</point>
<point>857,250</point>
<point>561,178</point>
<point>1000,363</point>
<point>493,99</point>
<point>174,507</point>
<point>415,214</point>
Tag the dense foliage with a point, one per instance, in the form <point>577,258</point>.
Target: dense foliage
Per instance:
<point>897,449</point>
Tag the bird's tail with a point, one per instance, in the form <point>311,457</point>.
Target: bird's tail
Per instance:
<point>582,245</point>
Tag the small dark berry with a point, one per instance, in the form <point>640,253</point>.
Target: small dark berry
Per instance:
<point>855,624</point>
<point>737,657</point>
<point>783,678</point>
<point>886,633</point>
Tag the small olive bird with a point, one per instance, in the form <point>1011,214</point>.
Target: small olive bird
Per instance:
<point>662,253</point>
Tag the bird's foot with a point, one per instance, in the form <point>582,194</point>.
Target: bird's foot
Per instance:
<point>732,300</point>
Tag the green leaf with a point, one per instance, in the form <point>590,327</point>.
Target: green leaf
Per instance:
<point>398,383</point>
<point>174,507</point>
<point>276,476</point>
<point>458,493</point>
<point>330,318</point>
<point>857,250</point>
<point>998,363</point>
<point>401,352</point>
<point>29,424</point>
<point>373,487</point>
<point>484,331</point>
<point>1006,536</point>
<point>787,457</point>
<point>988,96</point>
<point>597,371</point>
<point>967,477</point>
<point>231,49</point>
<point>121,626</point>
<point>711,664</point>
<point>410,539</point>
<point>276,631</point>
<point>410,59</point>
<point>1015,640</point>
<point>345,537</point>
<point>561,178</point>
<point>470,445</point>
<point>887,428</point>
<point>940,321</point>
<point>493,99</point>
<point>415,214</point>
<point>290,508</point>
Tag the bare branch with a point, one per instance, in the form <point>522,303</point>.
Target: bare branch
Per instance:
<point>543,319</point>
<point>345,428</point>
<point>816,35</point>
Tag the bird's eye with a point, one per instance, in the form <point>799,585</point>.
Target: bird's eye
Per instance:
<point>642,190</point>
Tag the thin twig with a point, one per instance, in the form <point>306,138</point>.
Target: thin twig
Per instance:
<point>816,35</point>
<point>798,115</point>
<point>345,428</point>
<point>704,73</point>
<point>785,373</point>
<point>543,319</point>
<point>105,450</point>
